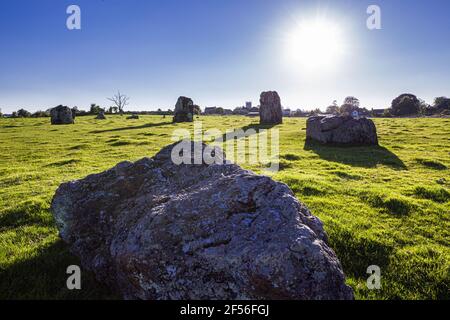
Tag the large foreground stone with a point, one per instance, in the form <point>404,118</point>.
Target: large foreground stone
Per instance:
<point>62,115</point>
<point>344,130</point>
<point>270,108</point>
<point>156,230</point>
<point>184,110</point>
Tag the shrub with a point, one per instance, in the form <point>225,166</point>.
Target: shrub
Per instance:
<point>442,103</point>
<point>95,109</point>
<point>22,113</point>
<point>350,104</point>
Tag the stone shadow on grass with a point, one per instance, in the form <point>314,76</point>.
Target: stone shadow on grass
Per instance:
<point>356,156</point>
<point>42,273</point>
<point>26,214</point>
<point>43,276</point>
<point>144,126</point>
<point>357,253</point>
<point>243,132</point>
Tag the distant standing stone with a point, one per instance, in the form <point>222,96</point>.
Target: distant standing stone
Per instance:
<point>133,116</point>
<point>184,110</point>
<point>62,115</point>
<point>270,108</point>
<point>101,116</point>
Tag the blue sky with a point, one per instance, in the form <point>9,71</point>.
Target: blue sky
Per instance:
<point>219,52</point>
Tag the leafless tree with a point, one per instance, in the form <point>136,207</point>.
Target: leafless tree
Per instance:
<point>120,100</point>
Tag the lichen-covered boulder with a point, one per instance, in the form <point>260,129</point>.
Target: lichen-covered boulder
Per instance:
<point>157,230</point>
<point>62,115</point>
<point>184,110</point>
<point>270,111</point>
<point>344,130</point>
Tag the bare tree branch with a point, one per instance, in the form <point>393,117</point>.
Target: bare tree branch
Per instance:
<point>120,100</point>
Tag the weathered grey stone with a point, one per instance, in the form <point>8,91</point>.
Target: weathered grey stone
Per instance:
<point>101,116</point>
<point>62,115</point>
<point>270,108</point>
<point>184,110</point>
<point>344,130</point>
<point>156,230</point>
<point>133,116</point>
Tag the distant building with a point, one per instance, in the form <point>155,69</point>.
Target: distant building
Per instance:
<point>248,105</point>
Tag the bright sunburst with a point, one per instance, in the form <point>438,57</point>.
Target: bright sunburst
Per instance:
<point>315,44</point>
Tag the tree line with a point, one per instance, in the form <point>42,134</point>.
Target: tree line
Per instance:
<point>405,104</point>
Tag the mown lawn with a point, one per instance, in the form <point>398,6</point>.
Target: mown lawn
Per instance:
<point>387,206</point>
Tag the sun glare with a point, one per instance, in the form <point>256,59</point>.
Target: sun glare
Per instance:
<point>315,44</point>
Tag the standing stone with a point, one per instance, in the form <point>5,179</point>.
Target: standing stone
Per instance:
<point>184,110</point>
<point>270,108</point>
<point>154,229</point>
<point>101,115</point>
<point>134,116</point>
<point>344,130</point>
<point>62,115</point>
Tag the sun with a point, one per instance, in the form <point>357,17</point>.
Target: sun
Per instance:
<point>315,44</point>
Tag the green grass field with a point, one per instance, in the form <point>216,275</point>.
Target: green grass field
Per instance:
<point>387,206</point>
